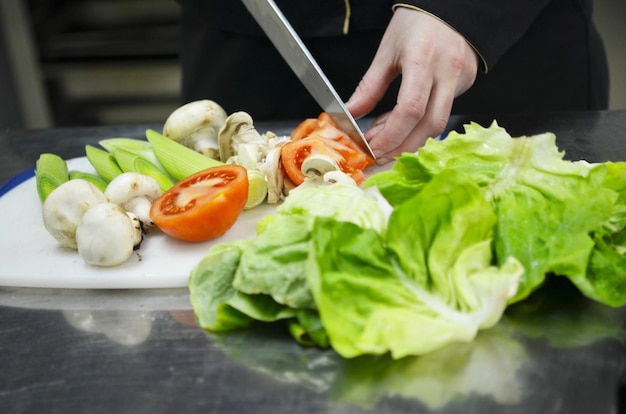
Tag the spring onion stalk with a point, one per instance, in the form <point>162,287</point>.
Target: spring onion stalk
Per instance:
<point>178,160</point>
<point>92,178</point>
<point>139,147</point>
<point>103,162</point>
<point>248,155</point>
<point>131,162</point>
<point>257,189</point>
<point>50,172</point>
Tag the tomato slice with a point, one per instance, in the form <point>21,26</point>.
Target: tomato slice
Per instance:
<point>324,127</point>
<point>304,129</point>
<point>349,161</point>
<point>204,205</point>
<point>323,136</point>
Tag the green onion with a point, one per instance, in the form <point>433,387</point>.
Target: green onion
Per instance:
<point>92,178</point>
<point>178,160</point>
<point>50,172</point>
<point>131,162</point>
<point>138,147</point>
<point>103,162</point>
<point>257,189</point>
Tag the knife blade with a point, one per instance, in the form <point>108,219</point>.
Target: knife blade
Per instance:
<point>289,44</point>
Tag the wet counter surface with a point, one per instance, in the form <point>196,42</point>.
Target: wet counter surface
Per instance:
<point>138,351</point>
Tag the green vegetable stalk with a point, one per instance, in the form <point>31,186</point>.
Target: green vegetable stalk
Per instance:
<point>50,172</point>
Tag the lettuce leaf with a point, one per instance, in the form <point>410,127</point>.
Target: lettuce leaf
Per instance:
<point>341,202</point>
<point>555,216</point>
<point>479,221</point>
<point>364,285</point>
<point>264,278</point>
<point>430,283</point>
<point>218,306</point>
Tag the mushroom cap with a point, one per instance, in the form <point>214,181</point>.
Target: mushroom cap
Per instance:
<point>129,185</point>
<point>65,206</point>
<point>193,117</point>
<point>134,192</point>
<point>196,125</point>
<point>105,236</point>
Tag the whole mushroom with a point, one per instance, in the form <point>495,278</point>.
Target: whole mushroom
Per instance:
<point>65,206</point>
<point>135,193</point>
<point>196,125</point>
<point>106,235</point>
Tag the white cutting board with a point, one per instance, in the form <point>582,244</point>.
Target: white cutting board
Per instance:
<point>30,257</point>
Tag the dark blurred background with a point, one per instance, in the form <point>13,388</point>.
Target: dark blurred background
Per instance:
<point>112,62</point>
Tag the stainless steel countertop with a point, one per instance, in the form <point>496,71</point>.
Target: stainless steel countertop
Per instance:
<point>138,351</point>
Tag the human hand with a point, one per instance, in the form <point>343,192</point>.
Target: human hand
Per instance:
<point>437,64</point>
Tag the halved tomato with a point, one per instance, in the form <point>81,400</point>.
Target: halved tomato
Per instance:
<point>204,205</point>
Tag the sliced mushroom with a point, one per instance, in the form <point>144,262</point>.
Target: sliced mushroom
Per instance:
<point>196,125</point>
<point>336,177</point>
<point>135,193</point>
<point>273,175</point>
<point>237,129</point>
<point>106,235</point>
<point>65,206</point>
<point>248,155</point>
<point>316,165</point>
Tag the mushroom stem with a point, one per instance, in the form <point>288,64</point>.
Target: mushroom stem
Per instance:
<point>140,208</point>
<point>139,230</point>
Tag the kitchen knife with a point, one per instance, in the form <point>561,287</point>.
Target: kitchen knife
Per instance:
<point>294,51</point>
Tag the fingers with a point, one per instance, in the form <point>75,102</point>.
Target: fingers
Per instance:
<point>437,65</point>
<point>412,121</point>
<point>412,105</point>
<point>430,126</point>
<point>372,86</point>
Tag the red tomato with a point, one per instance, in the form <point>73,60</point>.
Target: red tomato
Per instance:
<point>350,161</point>
<point>324,127</point>
<point>323,136</point>
<point>204,205</point>
<point>304,129</point>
